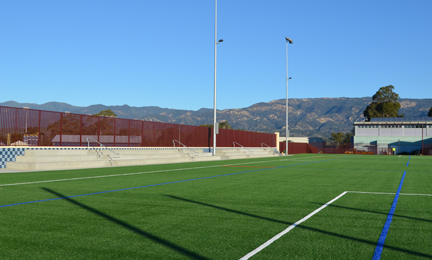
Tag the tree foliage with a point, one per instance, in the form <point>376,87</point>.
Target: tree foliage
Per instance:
<point>222,125</point>
<point>340,138</point>
<point>430,112</point>
<point>108,113</point>
<point>336,138</point>
<point>347,138</point>
<point>70,125</point>
<point>384,104</point>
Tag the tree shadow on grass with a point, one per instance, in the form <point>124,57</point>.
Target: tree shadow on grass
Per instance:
<point>135,230</point>
<point>302,227</point>
<point>375,212</point>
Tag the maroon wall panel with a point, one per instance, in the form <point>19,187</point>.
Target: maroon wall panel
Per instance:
<point>149,134</point>
<point>296,148</point>
<point>48,128</point>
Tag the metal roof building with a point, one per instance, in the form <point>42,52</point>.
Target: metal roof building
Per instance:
<point>411,119</point>
<point>405,134</point>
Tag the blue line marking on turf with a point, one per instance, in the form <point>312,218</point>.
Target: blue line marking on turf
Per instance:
<point>407,164</point>
<point>159,184</point>
<point>382,238</point>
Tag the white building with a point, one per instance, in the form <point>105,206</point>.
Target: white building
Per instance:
<point>405,134</point>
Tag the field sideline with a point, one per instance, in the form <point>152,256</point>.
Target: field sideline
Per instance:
<point>310,206</point>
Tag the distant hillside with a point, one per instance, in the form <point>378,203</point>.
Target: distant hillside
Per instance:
<point>307,117</point>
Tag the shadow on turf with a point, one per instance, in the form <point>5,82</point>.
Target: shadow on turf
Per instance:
<point>161,241</point>
<point>375,212</point>
<point>300,226</point>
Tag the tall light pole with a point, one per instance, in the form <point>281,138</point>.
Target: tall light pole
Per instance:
<point>215,63</point>
<point>287,40</point>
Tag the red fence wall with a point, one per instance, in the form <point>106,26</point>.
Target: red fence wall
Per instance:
<point>296,148</point>
<point>227,137</point>
<point>47,128</point>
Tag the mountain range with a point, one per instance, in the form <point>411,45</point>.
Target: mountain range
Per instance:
<point>307,117</point>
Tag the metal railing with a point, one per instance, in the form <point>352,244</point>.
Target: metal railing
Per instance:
<point>184,146</point>
<point>99,151</point>
<point>234,144</point>
<point>275,151</point>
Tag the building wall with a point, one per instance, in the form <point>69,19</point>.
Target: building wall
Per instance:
<point>404,136</point>
<point>393,130</point>
<point>387,131</point>
<point>401,143</point>
<point>418,131</point>
<point>366,131</point>
<point>304,140</point>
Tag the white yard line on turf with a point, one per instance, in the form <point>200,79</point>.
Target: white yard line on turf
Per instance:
<point>370,192</point>
<point>385,193</point>
<point>409,194</point>
<point>134,173</point>
<point>258,249</point>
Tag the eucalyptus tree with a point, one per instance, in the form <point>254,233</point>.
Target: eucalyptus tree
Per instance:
<point>385,103</point>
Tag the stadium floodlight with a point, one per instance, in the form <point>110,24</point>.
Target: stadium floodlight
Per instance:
<point>215,65</point>
<point>287,40</point>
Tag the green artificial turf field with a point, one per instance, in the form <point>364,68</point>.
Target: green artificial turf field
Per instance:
<point>223,210</point>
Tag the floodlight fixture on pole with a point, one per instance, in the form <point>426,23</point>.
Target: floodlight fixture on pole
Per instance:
<point>287,40</point>
<point>215,127</point>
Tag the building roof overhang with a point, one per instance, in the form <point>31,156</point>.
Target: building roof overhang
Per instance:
<point>392,123</point>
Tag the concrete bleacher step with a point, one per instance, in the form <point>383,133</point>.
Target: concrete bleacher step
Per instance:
<point>56,158</point>
<point>75,158</point>
<point>206,158</point>
<point>129,162</point>
<point>231,157</point>
<point>242,153</point>
<point>147,156</point>
<point>59,165</point>
<point>64,152</point>
<point>149,151</point>
<point>169,156</point>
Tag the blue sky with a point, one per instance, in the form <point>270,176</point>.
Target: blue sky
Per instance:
<point>161,53</point>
